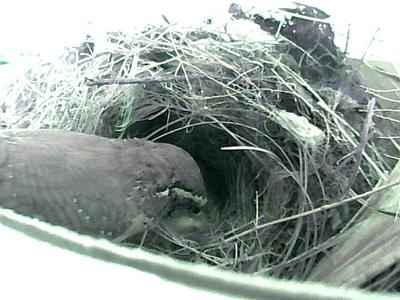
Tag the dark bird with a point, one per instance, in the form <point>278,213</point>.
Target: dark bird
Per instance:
<point>103,187</point>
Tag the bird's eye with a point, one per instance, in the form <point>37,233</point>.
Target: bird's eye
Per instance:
<point>196,211</point>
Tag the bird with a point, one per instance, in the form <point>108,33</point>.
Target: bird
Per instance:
<point>103,187</point>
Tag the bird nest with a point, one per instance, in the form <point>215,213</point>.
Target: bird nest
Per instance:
<point>277,122</point>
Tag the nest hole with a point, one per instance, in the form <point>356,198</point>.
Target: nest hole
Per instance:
<point>203,142</point>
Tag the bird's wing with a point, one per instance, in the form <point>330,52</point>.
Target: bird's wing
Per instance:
<point>66,179</point>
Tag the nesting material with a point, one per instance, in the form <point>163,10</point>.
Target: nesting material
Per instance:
<point>283,101</point>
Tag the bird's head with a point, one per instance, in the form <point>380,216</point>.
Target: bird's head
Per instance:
<point>182,180</point>
<point>173,179</point>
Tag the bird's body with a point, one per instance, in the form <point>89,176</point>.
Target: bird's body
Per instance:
<point>94,185</point>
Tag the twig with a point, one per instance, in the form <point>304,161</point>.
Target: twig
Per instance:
<point>369,46</point>
<point>364,136</point>
<point>168,78</point>
<point>158,79</point>
<point>347,39</point>
<point>143,80</point>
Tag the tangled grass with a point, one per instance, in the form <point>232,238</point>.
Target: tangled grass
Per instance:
<point>273,145</point>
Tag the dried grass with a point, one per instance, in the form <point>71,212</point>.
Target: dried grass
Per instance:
<point>272,145</point>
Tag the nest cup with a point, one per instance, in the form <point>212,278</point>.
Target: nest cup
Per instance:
<point>268,123</point>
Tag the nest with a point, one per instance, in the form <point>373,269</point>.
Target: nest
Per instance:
<point>277,122</point>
